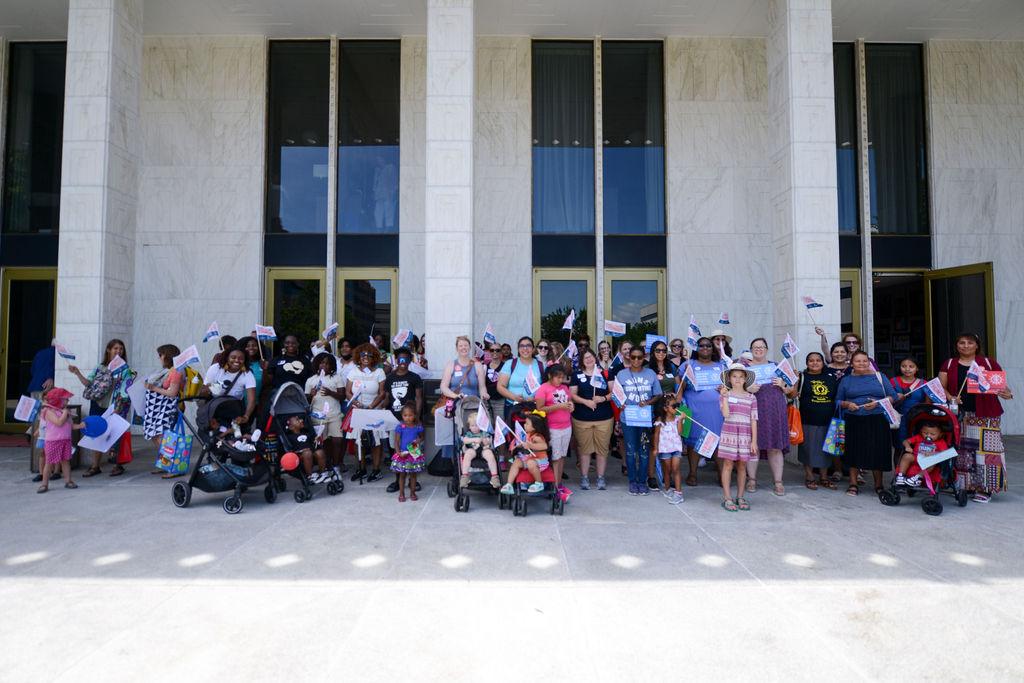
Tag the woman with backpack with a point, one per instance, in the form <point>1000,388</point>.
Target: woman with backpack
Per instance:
<point>520,377</point>
<point>104,386</point>
<point>162,399</point>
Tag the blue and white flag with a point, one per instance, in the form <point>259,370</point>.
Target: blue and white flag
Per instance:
<point>331,332</point>
<point>501,431</point>
<point>266,333</point>
<point>483,422</point>
<point>789,347</point>
<point>693,333</point>
<point>212,331</point>
<point>189,356</point>
<point>489,337</point>
<point>809,302</point>
<point>569,320</point>
<point>707,442</point>
<point>723,319</point>
<point>401,338</point>
<point>28,409</point>
<point>935,391</point>
<point>614,329</point>
<point>64,352</point>
<point>521,435</point>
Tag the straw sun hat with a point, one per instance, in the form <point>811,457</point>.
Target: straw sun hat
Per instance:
<point>748,375</point>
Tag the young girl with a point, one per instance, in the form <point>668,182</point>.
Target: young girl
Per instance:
<point>533,455</point>
<point>668,444</point>
<point>472,441</point>
<point>408,461</point>
<point>57,426</point>
<point>554,399</point>
<point>908,396</point>
<point>739,432</point>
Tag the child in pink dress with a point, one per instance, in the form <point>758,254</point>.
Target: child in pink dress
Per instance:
<point>739,432</point>
<point>57,425</point>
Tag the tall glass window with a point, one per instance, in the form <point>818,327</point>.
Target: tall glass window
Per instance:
<point>634,137</point>
<point>369,80</point>
<point>367,309</point>
<point>847,149</point>
<point>35,132</point>
<point>897,163</point>
<point>299,100</point>
<point>563,137</point>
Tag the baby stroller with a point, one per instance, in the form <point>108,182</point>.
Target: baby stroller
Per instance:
<point>227,463</point>
<point>479,474</point>
<point>289,400</point>
<point>947,482</point>
<point>517,502</point>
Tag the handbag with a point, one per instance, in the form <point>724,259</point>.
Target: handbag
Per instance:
<point>835,437</point>
<point>124,449</point>
<point>175,449</point>
<point>100,384</point>
<point>796,425</point>
<point>449,403</point>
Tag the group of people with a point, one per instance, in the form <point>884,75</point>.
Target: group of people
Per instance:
<point>653,408</point>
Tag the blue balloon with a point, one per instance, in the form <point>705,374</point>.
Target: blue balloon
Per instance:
<point>95,425</point>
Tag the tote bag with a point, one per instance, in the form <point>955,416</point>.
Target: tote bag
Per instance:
<point>175,449</point>
<point>835,437</point>
<point>796,425</point>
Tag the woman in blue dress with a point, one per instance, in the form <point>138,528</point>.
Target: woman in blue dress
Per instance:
<point>702,375</point>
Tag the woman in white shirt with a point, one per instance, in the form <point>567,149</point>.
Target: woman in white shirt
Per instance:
<point>366,387</point>
<point>233,379</point>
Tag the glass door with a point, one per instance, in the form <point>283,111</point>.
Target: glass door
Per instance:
<point>637,298</point>
<point>849,300</point>
<point>556,291</point>
<point>294,303</point>
<point>367,304</point>
<point>958,300</point>
<point>29,318</point>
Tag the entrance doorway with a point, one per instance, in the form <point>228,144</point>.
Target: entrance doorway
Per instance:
<point>899,315</point>
<point>27,326</point>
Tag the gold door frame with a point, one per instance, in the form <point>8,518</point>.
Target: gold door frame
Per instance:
<point>588,275</point>
<point>275,274</point>
<point>856,312</point>
<point>383,273</point>
<point>636,274</point>
<point>10,275</point>
<point>984,269</point>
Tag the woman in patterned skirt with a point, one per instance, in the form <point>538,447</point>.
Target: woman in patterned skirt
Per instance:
<point>772,418</point>
<point>981,463</point>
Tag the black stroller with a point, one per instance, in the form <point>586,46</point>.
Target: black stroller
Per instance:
<point>289,400</point>
<point>479,473</point>
<point>949,482</point>
<point>225,463</point>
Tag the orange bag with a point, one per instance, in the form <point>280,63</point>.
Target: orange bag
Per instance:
<point>796,426</point>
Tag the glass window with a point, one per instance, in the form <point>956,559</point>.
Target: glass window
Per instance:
<point>369,80</point>
<point>635,302</point>
<point>367,310</point>
<point>634,132</point>
<point>29,312</point>
<point>843,64</point>
<point>298,103</point>
<point>563,137</point>
<point>557,299</point>
<point>295,309</point>
<point>896,157</point>
<point>35,132</point>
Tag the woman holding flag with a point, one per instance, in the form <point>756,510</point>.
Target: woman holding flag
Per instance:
<point>592,420</point>
<point>772,420</point>
<point>981,454</point>
<point>104,386</point>
<point>702,375</point>
<point>866,397</point>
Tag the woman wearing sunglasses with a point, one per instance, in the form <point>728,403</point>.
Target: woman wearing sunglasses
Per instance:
<point>702,397</point>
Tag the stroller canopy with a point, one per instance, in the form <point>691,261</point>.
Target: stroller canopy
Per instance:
<point>289,399</point>
<point>223,408</point>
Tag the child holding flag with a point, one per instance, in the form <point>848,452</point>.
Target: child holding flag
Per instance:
<point>910,392</point>
<point>409,460</point>
<point>738,444</point>
<point>532,455</point>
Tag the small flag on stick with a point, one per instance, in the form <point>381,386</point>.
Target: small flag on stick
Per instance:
<point>723,319</point>
<point>265,333</point>
<point>212,331</point>
<point>570,320</point>
<point>614,329</point>
<point>489,337</point>
<point>789,347</point>
<point>64,352</point>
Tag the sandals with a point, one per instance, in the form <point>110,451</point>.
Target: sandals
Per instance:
<point>729,505</point>
<point>742,504</point>
<point>71,485</point>
<point>852,490</point>
<point>811,484</point>
<point>691,480</point>
<point>827,483</point>
<point>118,471</point>
<point>92,472</point>
<point>751,486</point>
<point>779,489</point>
<point>43,489</point>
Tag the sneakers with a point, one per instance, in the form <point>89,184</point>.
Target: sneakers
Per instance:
<point>632,489</point>
<point>535,487</point>
<point>702,463</point>
<point>375,476</point>
<point>585,484</point>
<point>676,497</point>
<point>359,474</point>
<point>564,493</point>
<point>507,489</point>
<point>393,486</point>
<point>642,490</point>
<point>652,483</point>
<point>900,480</point>
<point>601,484</point>
<point>463,481</point>
<point>495,482</point>
<point>314,478</point>
<point>337,471</point>
<point>914,481</point>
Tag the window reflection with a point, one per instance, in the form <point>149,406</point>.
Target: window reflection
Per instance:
<point>296,310</point>
<point>563,137</point>
<point>368,113</point>
<point>35,133</point>
<point>635,302</point>
<point>367,309</point>
<point>557,298</point>
<point>633,129</point>
<point>298,97</point>
<point>846,137</point>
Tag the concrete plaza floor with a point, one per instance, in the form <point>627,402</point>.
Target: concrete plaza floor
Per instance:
<point>110,582</point>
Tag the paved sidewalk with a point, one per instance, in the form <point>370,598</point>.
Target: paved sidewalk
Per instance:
<point>110,582</point>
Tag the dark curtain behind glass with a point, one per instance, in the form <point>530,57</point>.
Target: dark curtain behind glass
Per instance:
<point>35,134</point>
<point>369,81</point>
<point>563,137</point>
<point>298,102</point>
<point>847,147</point>
<point>896,158</point>
<point>634,132</point>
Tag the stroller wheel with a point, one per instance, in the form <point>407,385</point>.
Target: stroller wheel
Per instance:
<point>300,496</point>
<point>888,497</point>
<point>519,506</point>
<point>233,505</point>
<point>502,501</point>
<point>462,503</point>
<point>333,489</point>
<point>962,497</point>
<point>181,494</point>
<point>270,493</point>
<point>931,506</point>
<point>452,489</point>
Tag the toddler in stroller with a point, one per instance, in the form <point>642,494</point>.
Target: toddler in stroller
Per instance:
<point>531,456</point>
<point>929,440</point>
<point>290,421</point>
<point>476,444</point>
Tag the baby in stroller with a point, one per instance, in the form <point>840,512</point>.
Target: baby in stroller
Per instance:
<point>219,417</point>
<point>477,443</point>
<point>929,440</point>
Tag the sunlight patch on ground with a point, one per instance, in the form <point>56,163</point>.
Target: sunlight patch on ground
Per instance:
<point>367,561</point>
<point>799,560</point>
<point>26,558</point>
<point>196,560</point>
<point>282,561</point>
<point>710,560</point>
<point>456,561</point>
<point>114,558</point>
<point>627,561</point>
<point>542,562</point>
<point>969,560</point>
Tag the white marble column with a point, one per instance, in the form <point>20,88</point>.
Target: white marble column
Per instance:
<point>448,253</point>
<point>99,177</point>
<point>803,154</point>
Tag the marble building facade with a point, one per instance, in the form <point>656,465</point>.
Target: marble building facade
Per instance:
<point>164,178</point>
